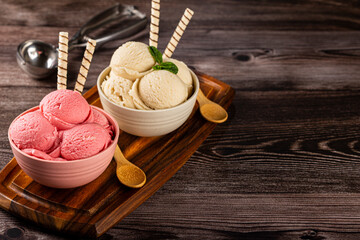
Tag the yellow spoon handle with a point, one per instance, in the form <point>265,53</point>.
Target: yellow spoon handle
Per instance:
<point>202,99</point>
<point>119,157</point>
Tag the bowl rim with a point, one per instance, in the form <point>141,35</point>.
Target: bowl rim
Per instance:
<point>116,137</point>
<point>153,111</point>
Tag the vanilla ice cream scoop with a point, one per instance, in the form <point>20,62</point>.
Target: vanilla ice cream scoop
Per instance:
<point>183,73</point>
<point>161,89</point>
<point>117,89</point>
<point>132,60</point>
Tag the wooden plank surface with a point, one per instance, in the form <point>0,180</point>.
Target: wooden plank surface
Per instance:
<point>286,163</point>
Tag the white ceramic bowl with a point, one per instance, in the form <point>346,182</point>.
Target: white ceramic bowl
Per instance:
<point>148,123</point>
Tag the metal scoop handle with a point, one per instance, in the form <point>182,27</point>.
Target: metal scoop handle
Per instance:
<point>114,13</point>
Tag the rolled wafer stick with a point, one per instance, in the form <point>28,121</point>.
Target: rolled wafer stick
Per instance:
<point>85,65</point>
<point>62,60</point>
<point>155,21</point>
<point>179,31</point>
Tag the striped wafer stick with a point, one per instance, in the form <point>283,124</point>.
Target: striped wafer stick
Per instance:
<point>85,65</point>
<point>179,31</point>
<point>62,60</point>
<point>155,21</point>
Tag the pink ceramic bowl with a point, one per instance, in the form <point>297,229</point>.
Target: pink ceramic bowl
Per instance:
<point>66,174</point>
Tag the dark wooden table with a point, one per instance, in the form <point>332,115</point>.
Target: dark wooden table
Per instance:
<point>286,165</point>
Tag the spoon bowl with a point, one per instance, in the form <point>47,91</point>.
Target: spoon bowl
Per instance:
<point>37,58</point>
<point>211,111</point>
<point>127,173</point>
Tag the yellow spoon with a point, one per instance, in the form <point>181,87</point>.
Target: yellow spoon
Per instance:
<point>128,174</point>
<point>211,111</point>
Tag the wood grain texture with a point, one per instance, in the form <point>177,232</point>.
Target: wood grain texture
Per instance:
<point>286,161</point>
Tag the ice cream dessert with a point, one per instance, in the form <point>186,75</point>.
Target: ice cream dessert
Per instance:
<point>35,135</point>
<point>84,140</point>
<point>64,109</point>
<point>131,60</point>
<point>141,79</point>
<point>183,73</point>
<point>133,82</point>
<point>159,90</point>
<point>148,92</point>
<point>64,128</point>
<point>117,89</point>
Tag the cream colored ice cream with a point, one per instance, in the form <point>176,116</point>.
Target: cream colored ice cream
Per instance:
<point>134,93</point>
<point>183,73</point>
<point>159,90</point>
<point>134,84</point>
<point>132,60</point>
<point>117,89</point>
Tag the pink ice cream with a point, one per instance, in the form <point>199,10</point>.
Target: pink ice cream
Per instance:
<point>65,128</point>
<point>33,131</point>
<point>65,108</point>
<point>84,140</point>
<point>99,118</point>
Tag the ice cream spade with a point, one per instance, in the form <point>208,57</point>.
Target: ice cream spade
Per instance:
<point>127,173</point>
<point>39,59</point>
<point>211,111</point>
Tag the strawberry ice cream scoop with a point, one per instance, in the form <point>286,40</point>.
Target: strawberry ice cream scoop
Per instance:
<point>84,140</point>
<point>33,131</point>
<point>100,119</point>
<point>65,108</point>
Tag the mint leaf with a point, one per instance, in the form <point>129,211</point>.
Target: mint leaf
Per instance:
<point>156,54</point>
<point>169,66</point>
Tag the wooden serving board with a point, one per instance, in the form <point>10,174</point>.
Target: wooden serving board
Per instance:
<point>94,208</point>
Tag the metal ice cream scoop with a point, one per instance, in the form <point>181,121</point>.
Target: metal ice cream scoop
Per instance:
<point>39,59</point>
